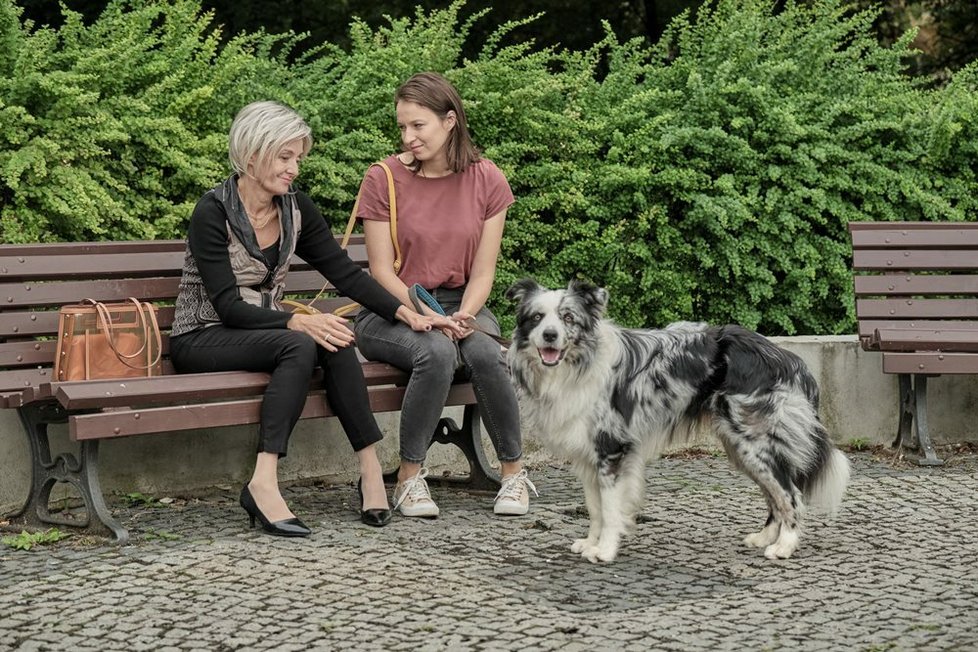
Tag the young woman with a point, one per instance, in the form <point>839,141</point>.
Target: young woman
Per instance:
<point>451,208</point>
<point>242,237</point>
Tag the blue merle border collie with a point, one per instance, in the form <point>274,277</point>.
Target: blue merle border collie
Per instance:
<point>609,399</point>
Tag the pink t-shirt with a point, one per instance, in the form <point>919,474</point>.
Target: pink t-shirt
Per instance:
<point>439,221</point>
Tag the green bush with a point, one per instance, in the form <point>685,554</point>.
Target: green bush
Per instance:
<point>709,177</point>
<point>111,131</point>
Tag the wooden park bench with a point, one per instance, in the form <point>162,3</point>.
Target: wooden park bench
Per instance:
<point>35,280</point>
<point>916,289</point>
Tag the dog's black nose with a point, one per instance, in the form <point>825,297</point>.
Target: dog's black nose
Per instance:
<point>550,335</point>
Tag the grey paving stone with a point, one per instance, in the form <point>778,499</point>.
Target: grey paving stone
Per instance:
<point>888,572</point>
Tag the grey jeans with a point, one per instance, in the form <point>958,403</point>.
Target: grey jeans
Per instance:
<point>431,359</point>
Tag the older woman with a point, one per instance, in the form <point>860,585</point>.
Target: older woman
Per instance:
<point>242,237</point>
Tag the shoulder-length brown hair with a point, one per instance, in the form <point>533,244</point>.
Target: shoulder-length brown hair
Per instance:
<point>434,92</point>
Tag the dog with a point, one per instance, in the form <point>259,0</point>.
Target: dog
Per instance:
<point>610,399</point>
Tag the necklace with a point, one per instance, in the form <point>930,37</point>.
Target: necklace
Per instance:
<point>259,223</point>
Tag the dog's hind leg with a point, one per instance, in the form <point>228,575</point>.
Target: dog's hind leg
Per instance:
<point>767,535</point>
<point>785,504</point>
<point>592,501</point>
<point>780,536</point>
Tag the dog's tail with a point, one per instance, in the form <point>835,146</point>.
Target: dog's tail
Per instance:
<point>828,484</point>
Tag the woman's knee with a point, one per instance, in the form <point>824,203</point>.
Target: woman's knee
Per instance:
<point>298,348</point>
<point>482,353</point>
<point>437,353</point>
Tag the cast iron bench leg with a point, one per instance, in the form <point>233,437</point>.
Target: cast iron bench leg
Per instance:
<point>46,472</point>
<point>468,438</point>
<point>905,427</point>
<point>920,423</point>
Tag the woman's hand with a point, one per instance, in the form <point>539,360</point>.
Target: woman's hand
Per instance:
<point>422,323</point>
<point>330,332</point>
<point>464,319</point>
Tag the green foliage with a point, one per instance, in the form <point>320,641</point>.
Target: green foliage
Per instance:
<point>708,177</point>
<point>27,540</point>
<point>111,130</point>
<point>740,148</point>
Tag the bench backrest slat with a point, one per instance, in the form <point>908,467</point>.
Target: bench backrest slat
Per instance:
<point>919,238</point>
<point>914,284</point>
<point>914,259</point>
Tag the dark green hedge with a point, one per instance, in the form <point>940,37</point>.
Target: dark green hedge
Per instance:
<point>710,177</point>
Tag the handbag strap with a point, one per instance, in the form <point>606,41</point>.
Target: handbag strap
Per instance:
<point>353,220</point>
<point>393,204</point>
<point>104,323</point>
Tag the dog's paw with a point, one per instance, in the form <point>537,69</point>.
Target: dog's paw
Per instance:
<point>580,545</point>
<point>784,547</point>
<point>599,554</point>
<point>762,539</point>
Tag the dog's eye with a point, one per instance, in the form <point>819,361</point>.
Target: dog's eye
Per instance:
<point>568,318</point>
<point>536,317</point>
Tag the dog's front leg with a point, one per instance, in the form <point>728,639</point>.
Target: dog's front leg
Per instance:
<point>592,501</point>
<point>616,486</point>
<point>613,492</point>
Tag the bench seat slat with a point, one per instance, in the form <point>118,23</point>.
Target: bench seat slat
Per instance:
<point>868,327</point>
<point>899,339</point>
<point>92,394</point>
<point>929,363</point>
<point>124,423</point>
<point>17,380</point>
<point>14,399</point>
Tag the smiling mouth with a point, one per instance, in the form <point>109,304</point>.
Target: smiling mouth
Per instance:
<point>550,357</point>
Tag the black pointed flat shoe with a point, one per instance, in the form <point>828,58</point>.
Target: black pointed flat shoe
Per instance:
<point>373,517</point>
<point>289,527</point>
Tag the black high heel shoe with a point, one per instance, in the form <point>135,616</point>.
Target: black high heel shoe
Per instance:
<point>289,527</point>
<point>375,517</point>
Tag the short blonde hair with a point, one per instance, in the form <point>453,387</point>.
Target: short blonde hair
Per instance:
<point>260,131</point>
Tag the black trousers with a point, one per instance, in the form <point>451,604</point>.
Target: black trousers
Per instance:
<point>290,358</point>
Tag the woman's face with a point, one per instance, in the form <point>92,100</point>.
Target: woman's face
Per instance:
<point>423,133</point>
<point>277,174</point>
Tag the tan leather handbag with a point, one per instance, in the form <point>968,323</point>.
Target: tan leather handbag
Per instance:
<point>108,340</point>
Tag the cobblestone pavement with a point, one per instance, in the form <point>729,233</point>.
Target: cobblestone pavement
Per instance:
<point>897,569</point>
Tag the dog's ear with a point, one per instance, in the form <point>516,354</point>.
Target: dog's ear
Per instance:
<point>521,288</point>
<point>595,298</point>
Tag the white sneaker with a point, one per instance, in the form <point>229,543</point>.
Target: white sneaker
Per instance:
<point>412,497</point>
<point>513,498</point>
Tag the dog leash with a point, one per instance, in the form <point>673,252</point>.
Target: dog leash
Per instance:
<point>420,296</point>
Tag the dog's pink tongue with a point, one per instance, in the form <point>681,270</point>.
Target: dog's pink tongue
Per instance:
<point>550,356</point>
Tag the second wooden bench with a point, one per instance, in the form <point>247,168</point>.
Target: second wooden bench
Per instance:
<point>916,289</point>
